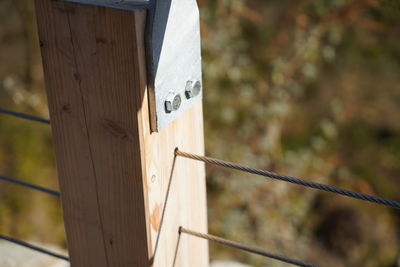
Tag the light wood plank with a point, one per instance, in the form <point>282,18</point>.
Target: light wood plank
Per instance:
<point>186,201</point>
<point>114,173</point>
<point>92,77</point>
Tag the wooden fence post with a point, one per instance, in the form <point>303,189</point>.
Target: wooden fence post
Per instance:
<point>114,172</point>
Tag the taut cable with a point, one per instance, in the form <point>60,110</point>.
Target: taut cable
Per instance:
<point>29,185</point>
<point>291,179</point>
<point>33,247</point>
<point>24,116</point>
<point>240,246</point>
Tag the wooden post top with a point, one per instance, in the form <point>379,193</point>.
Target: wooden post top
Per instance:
<point>173,55</point>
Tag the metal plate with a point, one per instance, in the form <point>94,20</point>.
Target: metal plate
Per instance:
<point>173,52</point>
<point>176,55</point>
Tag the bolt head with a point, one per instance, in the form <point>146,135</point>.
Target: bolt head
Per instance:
<point>176,103</point>
<point>193,89</point>
<point>173,102</point>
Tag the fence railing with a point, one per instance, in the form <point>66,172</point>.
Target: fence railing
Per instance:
<point>124,91</point>
<point>183,230</point>
<point>31,186</point>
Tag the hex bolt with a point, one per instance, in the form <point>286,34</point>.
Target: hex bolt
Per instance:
<point>192,89</point>
<point>176,103</point>
<point>172,102</point>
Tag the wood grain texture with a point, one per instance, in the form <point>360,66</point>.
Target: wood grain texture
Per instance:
<point>114,172</point>
<point>175,188</point>
<point>91,65</point>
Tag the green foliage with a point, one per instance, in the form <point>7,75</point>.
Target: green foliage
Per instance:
<point>287,83</point>
<point>25,147</point>
<point>390,9</point>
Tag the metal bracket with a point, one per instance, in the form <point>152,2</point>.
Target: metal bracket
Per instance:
<point>173,53</point>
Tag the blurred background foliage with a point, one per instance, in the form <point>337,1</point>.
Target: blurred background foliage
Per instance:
<point>306,88</point>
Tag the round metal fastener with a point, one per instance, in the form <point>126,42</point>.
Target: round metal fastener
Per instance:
<point>192,89</point>
<point>176,103</point>
<point>173,102</point>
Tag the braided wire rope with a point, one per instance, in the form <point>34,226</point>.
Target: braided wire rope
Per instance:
<point>29,185</point>
<point>24,116</point>
<point>33,247</point>
<point>240,246</point>
<point>291,179</point>
<point>218,162</point>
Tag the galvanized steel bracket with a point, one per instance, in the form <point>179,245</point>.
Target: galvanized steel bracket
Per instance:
<point>173,53</point>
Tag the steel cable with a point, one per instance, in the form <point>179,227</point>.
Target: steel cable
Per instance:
<point>291,179</point>
<point>29,185</point>
<point>24,116</point>
<point>240,246</point>
<point>33,247</point>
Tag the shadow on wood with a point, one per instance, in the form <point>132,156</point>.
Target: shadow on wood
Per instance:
<point>114,172</point>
